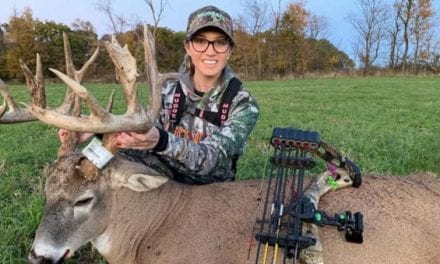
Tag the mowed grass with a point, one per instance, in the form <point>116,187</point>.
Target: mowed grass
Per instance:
<point>386,125</point>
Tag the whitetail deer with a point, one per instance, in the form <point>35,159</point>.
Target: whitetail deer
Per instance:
<point>131,214</point>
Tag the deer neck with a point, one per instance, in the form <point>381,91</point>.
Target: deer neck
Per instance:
<point>137,218</point>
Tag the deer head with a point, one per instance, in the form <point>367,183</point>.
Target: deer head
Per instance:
<point>78,210</point>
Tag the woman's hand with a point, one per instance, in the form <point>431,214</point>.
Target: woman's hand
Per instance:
<point>63,134</point>
<point>132,140</point>
<point>140,141</point>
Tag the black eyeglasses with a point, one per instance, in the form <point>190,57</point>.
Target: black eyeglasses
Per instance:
<point>202,44</point>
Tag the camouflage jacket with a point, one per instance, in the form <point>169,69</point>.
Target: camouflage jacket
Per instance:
<point>196,150</point>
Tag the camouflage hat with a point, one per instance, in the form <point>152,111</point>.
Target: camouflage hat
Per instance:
<point>209,16</point>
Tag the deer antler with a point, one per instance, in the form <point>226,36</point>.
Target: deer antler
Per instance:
<point>71,101</point>
<point>100,120</point>
<point>36,89</point>
<point>10,112</point>
<point>3,106</point>
<point>8,102</point>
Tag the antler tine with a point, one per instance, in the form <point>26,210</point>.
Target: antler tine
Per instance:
<point>70,142</point>
<point>110,102</point>
<point>8,103</point>
<point>126,74</point>
<point>10,112</point>
<point>155,79</point>
<point>35,83</point>
<point>70,68</point>
<point>2,108</point>
<point>74,74</point>
<point>6,98</point>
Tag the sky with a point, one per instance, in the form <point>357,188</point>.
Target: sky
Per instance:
<point>340,32</point>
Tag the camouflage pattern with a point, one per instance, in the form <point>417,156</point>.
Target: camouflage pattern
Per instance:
<point>199,151</point>
<point>312,254</point>
<point>318,187</point>
<point>320,184</point>
<point>209,16</point>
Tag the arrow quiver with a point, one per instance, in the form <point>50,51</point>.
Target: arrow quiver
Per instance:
<point>286,207</point>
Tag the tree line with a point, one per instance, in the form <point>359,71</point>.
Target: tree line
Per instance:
<point>400,34</point>
<point>23,36</point>
<point>273,40</point>
<point>257,55</point>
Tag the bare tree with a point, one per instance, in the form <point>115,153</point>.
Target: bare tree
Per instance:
<point>405,9</point>
<point>394,34</point>
<point>117,22</point>
<point>156,12</point>
<point>370,24</point>
<point>317,26</point>
<point>276,14</point>
<point>414,17</point>
<point>255,17</point>
<point>83,25</point>
<point>434,55</point>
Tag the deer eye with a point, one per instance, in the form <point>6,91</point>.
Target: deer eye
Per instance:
<point>84,202</point>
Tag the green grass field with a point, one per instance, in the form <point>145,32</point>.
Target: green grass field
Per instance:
<point>386,125</point>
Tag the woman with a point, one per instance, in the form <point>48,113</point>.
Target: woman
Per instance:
<point>194,148</point>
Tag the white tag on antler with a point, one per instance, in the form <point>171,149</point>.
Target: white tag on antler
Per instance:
<point>97,154</point>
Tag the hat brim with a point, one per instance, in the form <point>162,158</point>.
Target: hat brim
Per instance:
<point>208,25</point>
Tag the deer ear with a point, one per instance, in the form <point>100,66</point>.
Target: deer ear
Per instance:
<point>135,176</point>
<point>144,183</point>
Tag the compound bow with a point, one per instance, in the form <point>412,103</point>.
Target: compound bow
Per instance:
<point>281,226</point>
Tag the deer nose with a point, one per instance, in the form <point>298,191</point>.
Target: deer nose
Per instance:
<point>34,259</point>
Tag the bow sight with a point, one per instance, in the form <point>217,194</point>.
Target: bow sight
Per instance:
<point>290,207</point>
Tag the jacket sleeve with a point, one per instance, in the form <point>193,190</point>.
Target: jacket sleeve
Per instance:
<point>213,155</point>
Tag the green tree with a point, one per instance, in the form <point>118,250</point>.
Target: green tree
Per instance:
<point>20,43</point>
<point>327,58</point>
<point>49,44</point>
<point>170,49</point>
<point>245,54</point>
<point>293,45</point>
